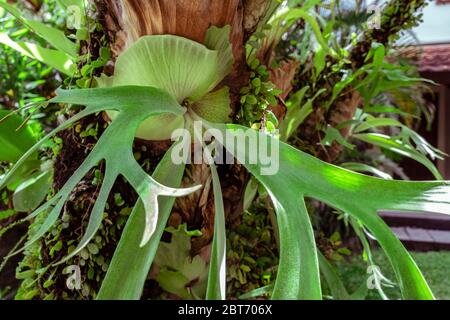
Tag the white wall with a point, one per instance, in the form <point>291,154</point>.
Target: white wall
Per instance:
<point>436,24</point>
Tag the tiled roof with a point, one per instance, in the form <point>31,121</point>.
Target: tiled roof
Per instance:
<point>435,58</point>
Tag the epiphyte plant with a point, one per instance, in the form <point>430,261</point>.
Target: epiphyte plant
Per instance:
<point>141,107</point>
<point>162,83</point>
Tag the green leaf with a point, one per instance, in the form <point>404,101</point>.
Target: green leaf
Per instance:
<point>387,109</point>
<point>391,144</point>
<point>407,135</point>
<point>7,213</point>
<point>362,167</point>
<point>377,122</point>
<point>310,177</point>
<point>257,292</point>
<point>250,193</point>
<point>379,54</point>
<point>21,173</point>
<point>214,106</point>
<point>333,134</point>
<point>217,265</point>
<point>298,13</point>
<point>54,58</point>
<point>337,288</point>
<point>53,36</point>
<point>67,3</point>
<point>179,273</point>
<point>131,263</point>
<point>361,293</point>
<point>135,104</point>
<point>218,39</point>
<point>148,62</point>
<point>319,61</point>
<point>174,282</point>
<point>298,272</point>
<point>173,254</point>
<point>341,85</point>
<point>15,139</point>
<point>32,192</point>
<point>297,113</point>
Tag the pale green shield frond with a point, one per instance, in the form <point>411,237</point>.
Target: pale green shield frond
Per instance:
<point>185,69</point>
<point>182,67</point>
<point>155,128</point>
<point>103,81</point>
<point>54,58</point>
<point>159,128</point>
<point>218,39</point>
<point>214,106</point>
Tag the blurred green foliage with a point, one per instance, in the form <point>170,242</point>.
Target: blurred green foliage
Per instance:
<point>434,266</point>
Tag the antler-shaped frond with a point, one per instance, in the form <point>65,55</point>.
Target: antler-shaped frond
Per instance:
<point>134,104</point>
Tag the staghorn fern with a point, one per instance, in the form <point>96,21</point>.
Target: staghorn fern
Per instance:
<point>137,104</point>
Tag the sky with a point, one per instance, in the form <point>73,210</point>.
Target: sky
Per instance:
<point>436,25</point>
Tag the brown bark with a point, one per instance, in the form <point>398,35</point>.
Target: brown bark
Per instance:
<point>282,78</point>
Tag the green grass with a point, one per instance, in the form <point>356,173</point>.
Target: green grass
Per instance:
<point>434,266</point>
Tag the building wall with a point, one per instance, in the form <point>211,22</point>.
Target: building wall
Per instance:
<point>436,23</point>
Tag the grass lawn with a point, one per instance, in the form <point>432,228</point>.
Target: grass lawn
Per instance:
<point>435,267</point>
